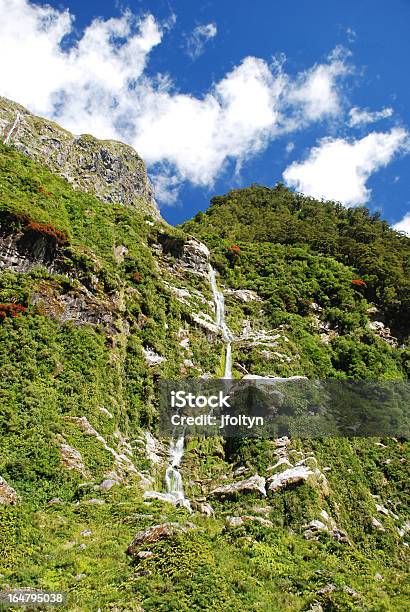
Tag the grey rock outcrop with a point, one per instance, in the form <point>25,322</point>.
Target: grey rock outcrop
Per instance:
<point>292,476</point>
<point>81,307</point>
<point>315,528</point>
<point>155,533</point>
<point>111,170</point>
<point>195,257</point>
<point>206,509</point>
<point>383,332</point>
<point>254,484</point>
<point>8,495</point>
<point>237,521</point>
<point>71,459</point>
<point>244,295</point>
<point>22,251</point>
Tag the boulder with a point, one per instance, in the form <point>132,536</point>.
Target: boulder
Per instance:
<point>281,442</point>
<point>241,470</point>
<point>106,412</point>
<point>86,533</point>
<point>107,484</point>
<point>155,533</point>
<point>72,460</point>
<point>292,476</point>
<point>144,554</point>
<point>94,500</point>
<point>254,484</point>
<point>377,524</point>
<point>151,357</point>
<point>316,527</point>
<point>402,531</point>
<point>265,510</point>
<point>244,295</point>
<point>280,465</point>
<point>164,497</point>
<point>204,320</point>
<point>206,509</point>
<point>237,521</point>
<point>8,495</point>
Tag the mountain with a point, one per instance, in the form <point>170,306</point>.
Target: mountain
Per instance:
<point>111,170</point>
<point>99,299</point>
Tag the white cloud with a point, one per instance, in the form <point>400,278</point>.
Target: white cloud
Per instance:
<point>166,186</point>
<point>403,225</point>
<point>195,43</point>
<point>84,83</point>
<point>351,35</point>
<point>338,169</point>
<point>99,85</point>
<point>316,91</point>
<point>360,117</point>
<point>199,135</point>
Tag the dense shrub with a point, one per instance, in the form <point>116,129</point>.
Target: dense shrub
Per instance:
<point>11,310</point>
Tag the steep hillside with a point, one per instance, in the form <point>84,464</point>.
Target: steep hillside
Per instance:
<point>98,301</point>
<point>257,217</point>
<point>111,170</point>
<point>314,286</point>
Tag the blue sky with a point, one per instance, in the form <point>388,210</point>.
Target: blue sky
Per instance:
<point>220,94</point>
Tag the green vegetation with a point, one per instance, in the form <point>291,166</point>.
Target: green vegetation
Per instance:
<point>89,294</point>
<point>259,216</point>
<point>319,269</point>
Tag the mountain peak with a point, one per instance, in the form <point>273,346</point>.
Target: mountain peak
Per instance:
<point>111,170</point>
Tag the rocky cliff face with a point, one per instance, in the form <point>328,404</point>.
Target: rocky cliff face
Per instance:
<point>111,170</point>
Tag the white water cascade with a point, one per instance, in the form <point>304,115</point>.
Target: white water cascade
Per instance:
<point>173,478</point>
<point>13,128</point>
<point>221,322</point>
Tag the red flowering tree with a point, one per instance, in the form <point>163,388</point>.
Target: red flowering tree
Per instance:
<point>11,310</point>
<point>234,252</point>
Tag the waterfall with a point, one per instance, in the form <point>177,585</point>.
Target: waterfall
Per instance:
<point>173,478</point>
<point>13,127</point>
<point>227,335</point>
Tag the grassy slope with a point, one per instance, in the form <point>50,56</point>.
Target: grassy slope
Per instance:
<point>53,370</point>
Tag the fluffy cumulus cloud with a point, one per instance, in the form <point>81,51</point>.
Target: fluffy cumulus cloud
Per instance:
<point>316,91</point>
<point>359,117</point>
<point>198,135</point>
<point>98,83</point>
<point>338,169</point>
<point>404,224</point>
<point>80,84</point>
<point>196,41</point>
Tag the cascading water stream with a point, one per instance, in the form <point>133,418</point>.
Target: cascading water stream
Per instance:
<point>221,322</point>
<point>13,128</point>
<point>173,478</point>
